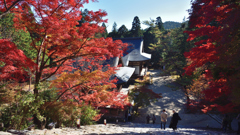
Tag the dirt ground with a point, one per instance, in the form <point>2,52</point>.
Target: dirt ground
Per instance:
<point>174,99</point>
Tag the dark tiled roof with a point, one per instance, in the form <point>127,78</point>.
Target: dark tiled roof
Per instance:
<point>134,52</point>
<point>134,43</point>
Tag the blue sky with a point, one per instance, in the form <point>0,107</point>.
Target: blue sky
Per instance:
<point>123,11</point>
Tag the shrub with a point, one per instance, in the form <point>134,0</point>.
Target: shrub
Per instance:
<point>88,115</point>
<point>18,114</point>
<point>64,113</point>
<point>17,110</point>
<point>143,96</point>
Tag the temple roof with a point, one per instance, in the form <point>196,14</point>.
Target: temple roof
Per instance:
<point>135,52</point>
<point>124,74</point>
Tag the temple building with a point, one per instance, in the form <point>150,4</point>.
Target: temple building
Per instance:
<point>134,65</point>
<point>136,58</point>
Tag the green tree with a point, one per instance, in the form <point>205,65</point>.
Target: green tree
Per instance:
<point>159,23</point>
<point>114,29</point>
<point>114,33</point>
<point>105,33</point>
<point>102,33</point>
<point>149,38</point>
<point>122,31</point>
<point>21,38</point>
<point>172,55</point>
<point>84,13</point>
<point>136,28</point>
<point>6,27</point>
<point>152,38</point>
<point>159,48</point>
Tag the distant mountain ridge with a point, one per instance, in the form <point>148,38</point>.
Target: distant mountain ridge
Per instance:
<point>171,25</point>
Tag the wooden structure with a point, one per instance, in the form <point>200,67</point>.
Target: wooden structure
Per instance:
<point>136,58</point>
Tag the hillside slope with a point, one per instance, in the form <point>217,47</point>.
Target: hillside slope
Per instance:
<point>171,25</point>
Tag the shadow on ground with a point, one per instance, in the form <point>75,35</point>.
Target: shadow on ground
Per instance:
<point>173,99</point>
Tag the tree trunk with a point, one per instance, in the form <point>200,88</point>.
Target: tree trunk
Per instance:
<point>37,122</point>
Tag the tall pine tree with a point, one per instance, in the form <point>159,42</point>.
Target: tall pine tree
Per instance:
<point>136,28</point>
<point>122,31</point>
<point>159,23</point>
<point>114,33</point>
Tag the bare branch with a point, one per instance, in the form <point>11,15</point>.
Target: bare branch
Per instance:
<point>8,9</point>
<point>5,5</point>
<point>53,72</point>
<point>68,90</point>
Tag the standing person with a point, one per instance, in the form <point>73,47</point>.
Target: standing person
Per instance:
<point>230,119</point>
<point>225,122</point>
<point>153,118</point>
<point>174,120</point>
<point>126,116</point>
<point>148,118</point>
<point>129,117</point>
<point>238,118</point>
<point>163,116</point>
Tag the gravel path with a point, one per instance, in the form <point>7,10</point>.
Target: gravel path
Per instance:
<point>173,99</point>
<point>123,129</point>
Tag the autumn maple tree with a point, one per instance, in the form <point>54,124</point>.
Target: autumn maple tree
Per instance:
<point>93,88</point>
<point>215,25</point>
<point>59,41</point>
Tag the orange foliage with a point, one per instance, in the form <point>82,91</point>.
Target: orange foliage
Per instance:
<point>197,88</point>
<point>94,88</point>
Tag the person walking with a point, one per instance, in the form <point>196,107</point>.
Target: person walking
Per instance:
<point>163,116</point>
<point>148,118</point>
<point>153,118</point>
<point>225,122</point>
<point>238,118</point>
<point>129,117</point>
<point>174,120</point>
